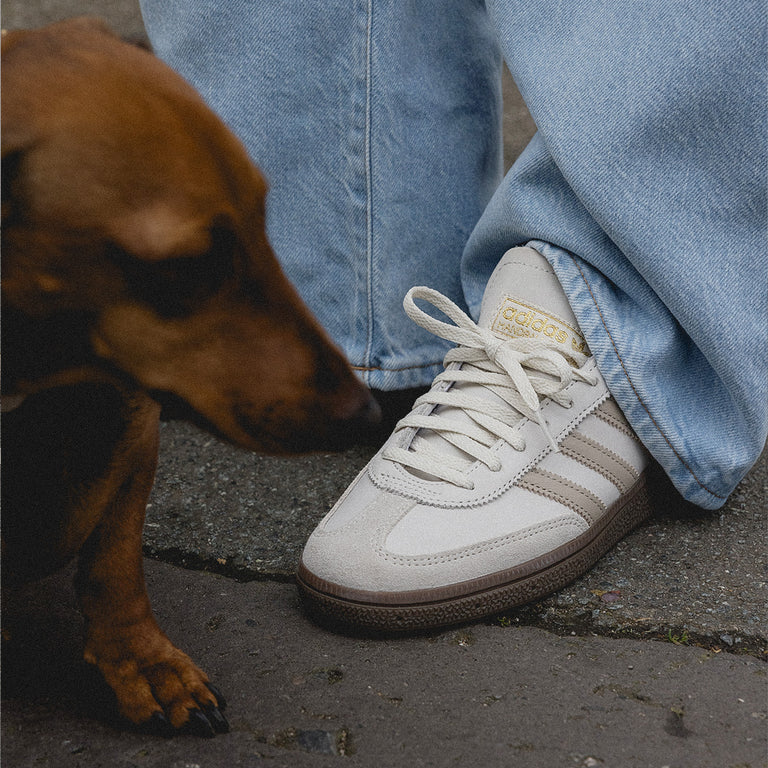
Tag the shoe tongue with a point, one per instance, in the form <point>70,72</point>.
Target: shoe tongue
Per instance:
<point>523,298</point>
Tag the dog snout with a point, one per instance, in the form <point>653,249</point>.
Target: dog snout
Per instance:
<point>360,408</point>
<point>354,418</point>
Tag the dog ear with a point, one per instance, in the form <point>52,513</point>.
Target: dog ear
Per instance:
<point>161,231</point>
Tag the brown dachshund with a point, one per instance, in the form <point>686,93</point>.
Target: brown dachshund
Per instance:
<point>135,263</point>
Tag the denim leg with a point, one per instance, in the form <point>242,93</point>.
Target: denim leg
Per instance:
<point>646,189</point>
<point>378,126</point>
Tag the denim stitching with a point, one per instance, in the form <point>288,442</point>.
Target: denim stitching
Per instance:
<point>395,370</point>
<point>369,180</point>
<point>634,390</point>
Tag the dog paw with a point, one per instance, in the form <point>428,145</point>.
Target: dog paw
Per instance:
<point>158,688</point>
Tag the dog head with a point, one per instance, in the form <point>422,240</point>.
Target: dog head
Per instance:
<point>135,220</point>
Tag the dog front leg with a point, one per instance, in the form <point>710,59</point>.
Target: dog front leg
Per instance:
<point>156,685</point>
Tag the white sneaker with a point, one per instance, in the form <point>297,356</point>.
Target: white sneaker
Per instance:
<point>508,479</point>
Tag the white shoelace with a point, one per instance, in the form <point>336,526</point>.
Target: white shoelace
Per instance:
<point>511,368</point>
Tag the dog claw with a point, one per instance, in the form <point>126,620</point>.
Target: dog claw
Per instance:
<point>216,719</point>
<point>219,697</point>
<point>199,725</point>
<point>159,724</point>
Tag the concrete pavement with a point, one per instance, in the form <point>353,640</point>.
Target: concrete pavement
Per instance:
<point>490,694</point>
<point>654,658</point>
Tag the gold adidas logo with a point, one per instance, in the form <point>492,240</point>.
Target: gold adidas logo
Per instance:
<point>515,319</point>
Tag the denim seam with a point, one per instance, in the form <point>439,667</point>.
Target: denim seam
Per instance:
<point>634,389</point>
<point>369,180</point>
<point>395,370</point>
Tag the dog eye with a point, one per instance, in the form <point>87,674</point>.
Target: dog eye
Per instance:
<point>178,286</point>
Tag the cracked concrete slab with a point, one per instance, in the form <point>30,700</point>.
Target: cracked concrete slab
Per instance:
<point>300,695</point>
<point>685,573</point>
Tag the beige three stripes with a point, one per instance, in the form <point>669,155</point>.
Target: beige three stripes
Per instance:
<point>592,455</point>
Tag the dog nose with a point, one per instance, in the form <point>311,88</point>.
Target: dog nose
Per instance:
<point>355,419</point>
<point>370,411</point>
<point>360,410</point>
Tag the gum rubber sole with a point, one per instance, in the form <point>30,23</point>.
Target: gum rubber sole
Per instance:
<point>456,604</point>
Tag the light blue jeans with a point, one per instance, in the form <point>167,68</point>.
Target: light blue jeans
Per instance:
<point>378,124</point>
